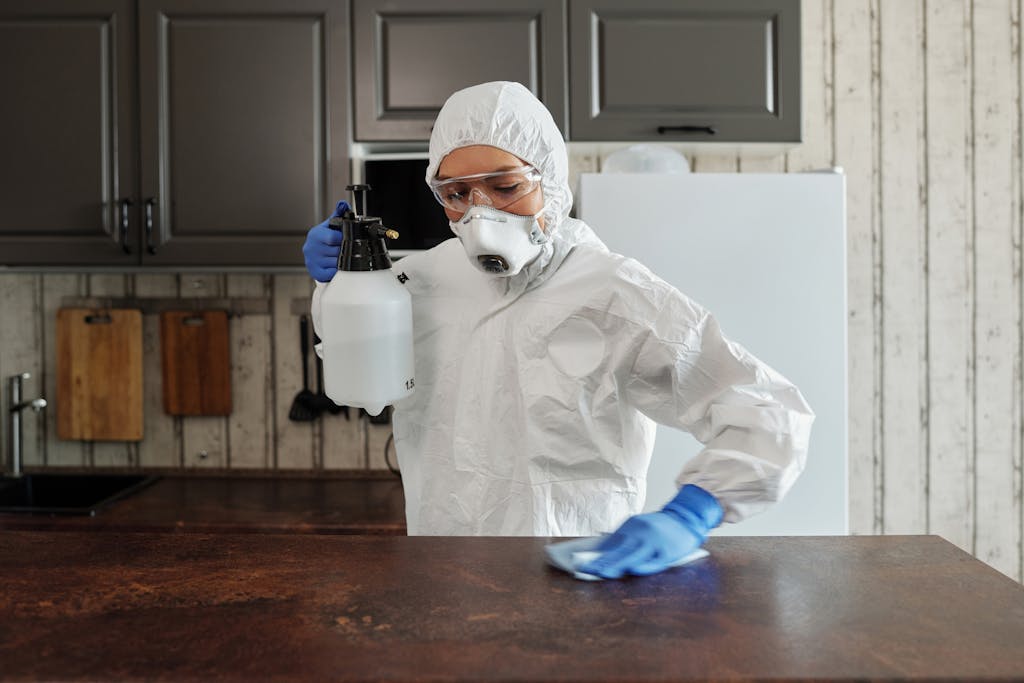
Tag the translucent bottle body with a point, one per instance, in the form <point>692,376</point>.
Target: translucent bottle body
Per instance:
<point>367,339</point>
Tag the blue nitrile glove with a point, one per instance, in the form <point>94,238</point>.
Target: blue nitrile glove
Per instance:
<point>323,246</point>
<point>649,543</point>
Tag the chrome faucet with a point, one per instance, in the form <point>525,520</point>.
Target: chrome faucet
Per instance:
<point>14,418</point>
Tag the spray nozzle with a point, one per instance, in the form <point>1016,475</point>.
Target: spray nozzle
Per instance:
<point>373,230</point>
<point>381,231</point>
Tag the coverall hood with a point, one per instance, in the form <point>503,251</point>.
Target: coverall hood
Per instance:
<point>506,115</point>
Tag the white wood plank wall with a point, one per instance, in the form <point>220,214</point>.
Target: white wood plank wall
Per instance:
<point>920,102</point>
<point>266,375</point>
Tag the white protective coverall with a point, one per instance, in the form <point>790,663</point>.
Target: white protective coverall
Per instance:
<point>537,395</point>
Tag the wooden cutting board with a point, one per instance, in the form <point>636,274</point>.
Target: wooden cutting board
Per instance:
<point>196,362</point>
<point>99,374</point>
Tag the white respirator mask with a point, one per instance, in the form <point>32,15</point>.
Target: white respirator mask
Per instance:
<point>497,242</point>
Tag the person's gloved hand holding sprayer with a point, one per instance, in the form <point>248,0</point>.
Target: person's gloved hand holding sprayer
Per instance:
<point>323,246</point>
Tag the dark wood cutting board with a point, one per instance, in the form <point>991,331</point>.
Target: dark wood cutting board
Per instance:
<point>196,362</point>
<point>99,374</point>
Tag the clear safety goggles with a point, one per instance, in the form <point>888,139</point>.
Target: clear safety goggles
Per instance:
<point>497,189</point>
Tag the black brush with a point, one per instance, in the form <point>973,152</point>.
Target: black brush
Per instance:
<point>322,401</point>
<point>304,405</point>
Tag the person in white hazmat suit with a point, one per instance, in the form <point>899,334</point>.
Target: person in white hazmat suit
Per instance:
<point>543,362</point>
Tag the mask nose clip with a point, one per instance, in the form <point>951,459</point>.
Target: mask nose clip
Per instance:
<point>470,215</point>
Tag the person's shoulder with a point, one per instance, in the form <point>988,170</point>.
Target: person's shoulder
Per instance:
<point>589,254</point>
<point>423,271</point>
<point>623,286</point>
<point>610,269</point>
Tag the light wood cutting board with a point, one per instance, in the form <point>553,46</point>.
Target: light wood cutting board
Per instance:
<point>99,374</point>
<point>196,362</point>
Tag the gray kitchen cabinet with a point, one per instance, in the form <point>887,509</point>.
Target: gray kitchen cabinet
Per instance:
<point>68,148</point>
<point>410,55</point>
<point>223,124</point>
<point>243,127</point>
<point>693,70</point>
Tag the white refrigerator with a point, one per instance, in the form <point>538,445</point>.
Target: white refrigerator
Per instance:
<point>766,254</point>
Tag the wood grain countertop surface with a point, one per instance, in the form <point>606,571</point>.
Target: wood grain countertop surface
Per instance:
<point>255,607</point>
<point>349,505</point>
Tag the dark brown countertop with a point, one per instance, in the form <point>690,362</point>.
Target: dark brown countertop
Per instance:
<point>364,505</point>
<point>252,607</point>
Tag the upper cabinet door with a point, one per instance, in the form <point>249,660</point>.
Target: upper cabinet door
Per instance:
<point>242,120</point>
<point>67,140</point>
<point>700,70</point>
<point>412,55</point>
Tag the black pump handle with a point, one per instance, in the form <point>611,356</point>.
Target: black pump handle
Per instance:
<point>363,188</point>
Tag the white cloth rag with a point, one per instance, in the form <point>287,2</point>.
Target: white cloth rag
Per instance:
<point>574,553</point>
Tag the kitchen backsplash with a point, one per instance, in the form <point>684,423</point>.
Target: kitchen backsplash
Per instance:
<point>265,376</point>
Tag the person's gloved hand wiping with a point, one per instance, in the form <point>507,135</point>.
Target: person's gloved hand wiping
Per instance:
<point>323,246</point>
<point>649,543</point>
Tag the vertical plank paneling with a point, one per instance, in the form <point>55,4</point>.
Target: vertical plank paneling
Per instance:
<point>815,152</point>
<point>344,442</point>
<point>855,144</point>
<point>580,161</point>
<point>715,163</point>
<point>376,440</point>
<point>56,286</point>
<point>762,164</point>
<point>111,453</point>
<point>20,351</point>
<point>997,290</point>
<point>249,427</point>
<point>161,444</point>
<point>204,438</point>
<point>36,455</point>
<point>295,447</point>
<point>1016,10</point>
<point>901,121</point>
<point>950,289</point>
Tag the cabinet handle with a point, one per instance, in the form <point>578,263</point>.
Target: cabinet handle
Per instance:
<point>125,203</point>
<point>150,203</point>
<point>710,130</point>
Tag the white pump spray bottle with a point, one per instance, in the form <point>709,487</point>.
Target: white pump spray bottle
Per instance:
<point>366,318</point>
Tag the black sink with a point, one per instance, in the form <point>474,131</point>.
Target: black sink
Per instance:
<point>67,494</point>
